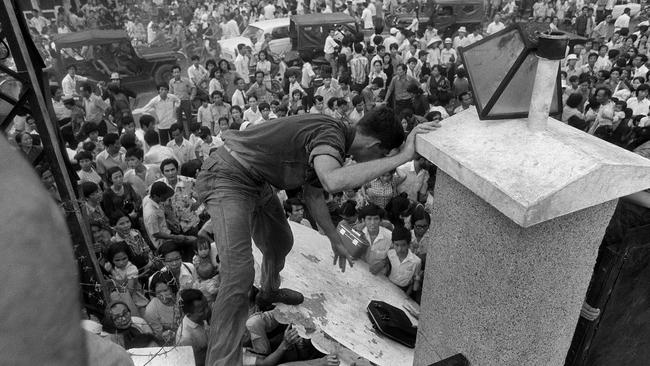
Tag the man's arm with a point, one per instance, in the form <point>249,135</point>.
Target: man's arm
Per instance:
<point>315,202</point>
<point>336,178</point>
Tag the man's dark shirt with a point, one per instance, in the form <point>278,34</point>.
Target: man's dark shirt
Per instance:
<point>282,150</point>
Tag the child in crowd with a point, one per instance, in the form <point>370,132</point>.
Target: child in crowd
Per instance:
<point>87,172</point>
<point>141,255</point>
<point>206,143</point>
<point>206,250</point>
<point>207,281</point>
<point>296,102</point>
<point>405,267</point>
<point>124,275</point>
<point>195,133</point>
<point>295,85</point>
<point>204,114</point>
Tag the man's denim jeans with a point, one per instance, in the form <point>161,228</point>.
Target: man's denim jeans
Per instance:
<point>241,205</point>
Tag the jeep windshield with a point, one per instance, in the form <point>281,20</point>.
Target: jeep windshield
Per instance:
<point>252,31</point>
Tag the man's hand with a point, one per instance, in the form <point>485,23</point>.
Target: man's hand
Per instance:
<point>341,255</point>
<point>408,149</point>
<point>291,335</point>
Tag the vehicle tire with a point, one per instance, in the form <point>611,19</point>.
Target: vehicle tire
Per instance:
<point>163,74</point>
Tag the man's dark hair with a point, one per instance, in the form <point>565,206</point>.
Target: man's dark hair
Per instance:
<point>162,85</point>
<point>264,105</point>
<point>162,190</point>
<point>642,87</point>
<point>146,120</point>
<point>292,202</point>
<point>401,233</point>
<point>379,82</point>
<point>371,210</point>
<point>574,100</point>
<point>176,127</point>
<point>165,277</point>
<point>88,188</point>
<point>176,67</point>
<point>110,139</point>
<point>90,128</point>
<point>167,162</point>
<point>358,99</point>
<point>84,155</point>
<point>381,124</point>
<point>129,140</point>
<point>151,138</point>
<point>188,298</point>
<point>135,152</point>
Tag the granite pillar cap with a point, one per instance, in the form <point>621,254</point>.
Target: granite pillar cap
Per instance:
<point>532,177</point>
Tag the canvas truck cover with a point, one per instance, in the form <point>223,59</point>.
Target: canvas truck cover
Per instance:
<point>91,37</point>
<point>310,30</point>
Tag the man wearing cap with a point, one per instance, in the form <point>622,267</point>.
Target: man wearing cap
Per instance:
<point>117,80</point>
<point>461,39</point>
<point>448,54</point>
<point>571,68</point>
<point>391,39</point>
<point>433,57</point>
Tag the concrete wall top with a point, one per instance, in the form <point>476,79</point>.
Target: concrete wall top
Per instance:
<point>533,177</point>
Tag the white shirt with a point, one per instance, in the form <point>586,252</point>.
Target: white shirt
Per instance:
<point>366,17</point>
<point>60,110</point>
<point>402,272</point>
<point>641,71</point>
<point>192,334</point>
<point>230,29</point>
<point>238,98</point>
<point>241,67</point>
<point>639,107</point>
<point>495,27</point>
<point>623,21</point>
<point>184,152</point>
<point>307,75</point>
<point>69,84</point>
<point>474,38</point>
<point>379,248</point>
<point>164,109</point>
<point>158,153</point>
<point>251,115</point>
<point>197,75</point>
<point>154,220</point>
<point>269,11</point>
<point>330,45</point>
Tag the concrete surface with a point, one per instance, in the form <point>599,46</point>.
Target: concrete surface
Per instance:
<point>334,314</point>
<point>501,294</point>
<point>165,356</point>
<point>532,177</point>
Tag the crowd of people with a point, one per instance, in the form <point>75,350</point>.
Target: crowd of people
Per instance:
<point>147,176</point>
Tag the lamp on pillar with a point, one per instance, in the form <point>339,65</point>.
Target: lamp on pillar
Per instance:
<point>521,202</point>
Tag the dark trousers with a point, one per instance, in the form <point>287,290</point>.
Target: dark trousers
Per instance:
<point>401,105</point>
<point>241,206</point>
<point>185,115</point>
<point>165,137</point>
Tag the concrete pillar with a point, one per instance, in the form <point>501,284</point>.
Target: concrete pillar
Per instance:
<point>518,219</point>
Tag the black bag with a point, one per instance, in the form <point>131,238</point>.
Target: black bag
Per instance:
<point>392,322</point>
